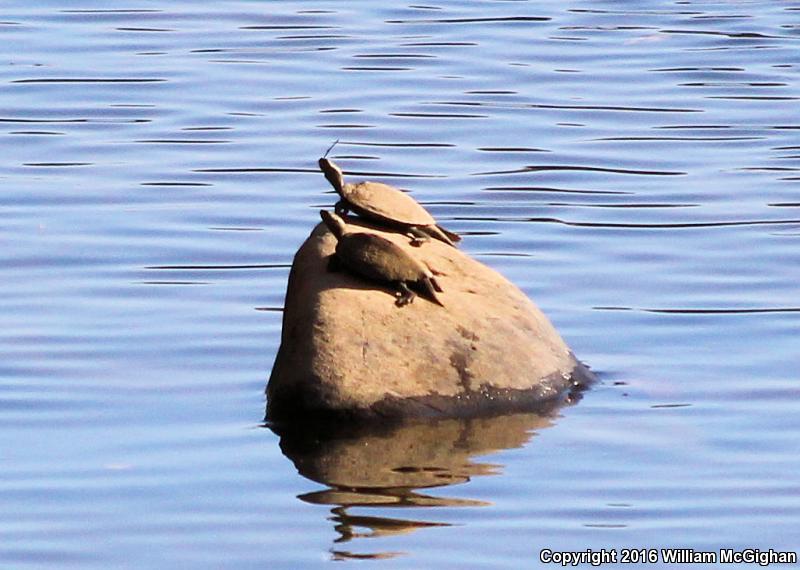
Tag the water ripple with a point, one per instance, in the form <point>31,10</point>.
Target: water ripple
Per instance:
<point>707,311</point>
<point>471,20</point>
<point>222,267</point>
<point>90,80</point>
<point>633,225</point>
<point>547,190</point>
<point>560,167</point>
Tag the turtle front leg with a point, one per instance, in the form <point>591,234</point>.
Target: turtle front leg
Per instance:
<point>418,237</point>
<point>406,295</point>
<point>341,208</point>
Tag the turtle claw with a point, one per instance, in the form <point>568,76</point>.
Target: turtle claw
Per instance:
<point>404,300</point>
<point>405,296</point>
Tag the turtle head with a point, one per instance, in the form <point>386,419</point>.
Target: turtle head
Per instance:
<point>332,173</point>
<point>335,223</point>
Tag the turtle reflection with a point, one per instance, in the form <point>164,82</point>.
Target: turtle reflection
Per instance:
<point>371,470</point>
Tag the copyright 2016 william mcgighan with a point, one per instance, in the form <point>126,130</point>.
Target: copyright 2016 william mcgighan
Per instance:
<point>666,556</point>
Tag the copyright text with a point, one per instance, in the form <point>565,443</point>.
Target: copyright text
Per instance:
<point>666,556</point>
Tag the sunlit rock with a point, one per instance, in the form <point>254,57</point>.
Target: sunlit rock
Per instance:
<point>348,351</point>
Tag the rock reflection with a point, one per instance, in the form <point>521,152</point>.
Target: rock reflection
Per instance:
<point>386,467</point>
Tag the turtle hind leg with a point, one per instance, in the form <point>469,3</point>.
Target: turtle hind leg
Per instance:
<point>406,294</point>
<point>418,236</point>
<point>430,286</point>
<point>334,263</point>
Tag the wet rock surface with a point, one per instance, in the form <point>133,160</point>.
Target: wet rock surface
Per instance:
<point>347,351</point>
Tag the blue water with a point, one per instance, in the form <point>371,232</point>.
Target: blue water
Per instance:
<point>634,167</point>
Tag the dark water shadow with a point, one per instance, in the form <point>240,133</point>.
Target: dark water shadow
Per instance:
<point>381,467</point>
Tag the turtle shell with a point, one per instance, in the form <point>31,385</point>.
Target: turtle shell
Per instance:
<point>378,258</point>
<point>385,203</point>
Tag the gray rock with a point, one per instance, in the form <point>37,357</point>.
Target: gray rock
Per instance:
<point>347,351</point>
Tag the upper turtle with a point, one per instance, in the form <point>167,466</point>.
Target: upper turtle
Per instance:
<point>384,204</point>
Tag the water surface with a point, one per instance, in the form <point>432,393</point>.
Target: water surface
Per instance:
<point>633,167</point>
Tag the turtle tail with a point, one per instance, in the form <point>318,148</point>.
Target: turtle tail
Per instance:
<point>431,287</point>
<point>441,234</point>
<point>452,236</point>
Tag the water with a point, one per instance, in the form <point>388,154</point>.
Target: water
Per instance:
<point>633,166</point>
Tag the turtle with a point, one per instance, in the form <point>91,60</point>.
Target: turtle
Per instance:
<point>386,205</point>
<point>379,259</point>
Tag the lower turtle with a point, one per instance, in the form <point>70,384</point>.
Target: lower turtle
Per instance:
<point>385,205</point>
<point>379,259</point>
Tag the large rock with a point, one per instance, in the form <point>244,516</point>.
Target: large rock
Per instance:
<point>348,351</point>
